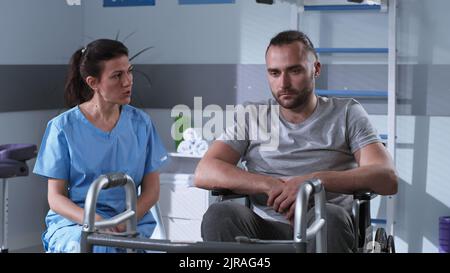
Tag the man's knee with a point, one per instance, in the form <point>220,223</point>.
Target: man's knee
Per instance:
<point>341,232</point>
<point>219,211</point>
<point>338,217</point>
<point>222,221</point>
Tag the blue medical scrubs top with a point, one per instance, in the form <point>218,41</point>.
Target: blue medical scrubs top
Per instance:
<point>73,149</point>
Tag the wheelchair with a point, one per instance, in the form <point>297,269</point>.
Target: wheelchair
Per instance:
<point>365,242</point>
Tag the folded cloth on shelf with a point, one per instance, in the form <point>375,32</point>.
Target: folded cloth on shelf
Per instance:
<point>192,144</point>
<point>190,134</point>
<point>185,147</point>
<point>200,147</point>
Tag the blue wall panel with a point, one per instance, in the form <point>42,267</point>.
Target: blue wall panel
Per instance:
<point>193,2</point>
<point>128,3</point>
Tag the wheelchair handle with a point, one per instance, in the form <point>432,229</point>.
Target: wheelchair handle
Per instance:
<point>105,182</point>
<point>319,228</point>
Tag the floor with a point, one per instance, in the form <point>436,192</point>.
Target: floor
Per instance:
<point>33,249</point>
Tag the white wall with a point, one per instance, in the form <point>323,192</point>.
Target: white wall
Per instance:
<point>422,152</point>
<point>38,32</point>
<point>423,36</point>
<point>191,34</point>
<point>179,34</point>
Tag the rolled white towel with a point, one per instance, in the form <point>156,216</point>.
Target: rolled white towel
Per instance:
<point>190,134</point>
<point>185,147</point>
<point>199,147</point>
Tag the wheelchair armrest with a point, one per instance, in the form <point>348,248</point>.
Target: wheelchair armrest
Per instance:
<point>219,192</point>
<point>361,214</point>
<point>226,194</point>
<point>364,195</point>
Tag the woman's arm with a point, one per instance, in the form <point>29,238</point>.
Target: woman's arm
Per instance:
<point>149,194</point>
<point>61,204</point>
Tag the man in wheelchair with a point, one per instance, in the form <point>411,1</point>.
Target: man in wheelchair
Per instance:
<point>326,138</point>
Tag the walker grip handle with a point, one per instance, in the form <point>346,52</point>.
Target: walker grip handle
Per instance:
<point>115,180</point>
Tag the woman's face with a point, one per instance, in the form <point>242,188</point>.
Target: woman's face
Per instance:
<point>116,81</point>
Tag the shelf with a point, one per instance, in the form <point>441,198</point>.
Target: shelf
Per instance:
<point>358,50</point>
<point>372,94</point>
<point>342,7</point>
<point>184,155</point>
<point>378,221</point>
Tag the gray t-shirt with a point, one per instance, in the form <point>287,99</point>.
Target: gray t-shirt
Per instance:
<point>326,141</point>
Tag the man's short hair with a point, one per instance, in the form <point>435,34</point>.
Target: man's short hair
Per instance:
<point>291,36</point>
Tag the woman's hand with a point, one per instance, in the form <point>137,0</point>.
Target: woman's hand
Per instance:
<point>120,228</point>
<point>117,229</point>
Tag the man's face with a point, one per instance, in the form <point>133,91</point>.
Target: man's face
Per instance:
<point>291,70</point>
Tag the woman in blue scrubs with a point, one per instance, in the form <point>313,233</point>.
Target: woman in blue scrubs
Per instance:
<point>100,134</point>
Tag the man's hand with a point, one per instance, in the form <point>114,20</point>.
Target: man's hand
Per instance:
<point>275,190</point>
<point>284,203</point>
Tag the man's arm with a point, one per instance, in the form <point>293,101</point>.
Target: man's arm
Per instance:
<point>375,173</point>
<point>217,170</point>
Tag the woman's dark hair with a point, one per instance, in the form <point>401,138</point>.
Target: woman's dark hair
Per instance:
<point>86,62</point>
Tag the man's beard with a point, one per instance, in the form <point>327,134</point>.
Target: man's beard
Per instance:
<point>300,98</point>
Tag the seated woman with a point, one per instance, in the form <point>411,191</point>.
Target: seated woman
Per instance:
<point>100,134</point>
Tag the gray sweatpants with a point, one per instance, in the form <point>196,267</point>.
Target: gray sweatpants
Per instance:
<point>225,220</point>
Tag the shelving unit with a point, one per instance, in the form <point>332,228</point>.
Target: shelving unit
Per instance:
<point>331,50</point>
<point>348,7</point>
<point>389,6</point>
<point>367,94</point>
<point>182,205</point>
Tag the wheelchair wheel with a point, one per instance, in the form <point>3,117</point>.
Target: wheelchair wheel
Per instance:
<point>390,244</point>
<point>381,241</point>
